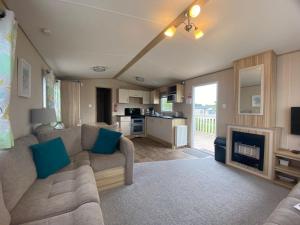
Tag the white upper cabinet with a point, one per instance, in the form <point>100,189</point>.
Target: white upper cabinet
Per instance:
<point>136,93</point>
<point>146,97</point>
<point>123,96</point>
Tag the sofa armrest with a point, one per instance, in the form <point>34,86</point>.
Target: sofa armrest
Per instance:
<point>127,148</point>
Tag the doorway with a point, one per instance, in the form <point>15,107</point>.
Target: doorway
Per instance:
<point>204,117</point>
<point>104,105</point>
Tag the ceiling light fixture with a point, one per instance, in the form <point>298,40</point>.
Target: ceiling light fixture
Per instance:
<point>99,69</point>
<point>140,79</point>
<point>192,12</point>
<point>170,32</point>
<point>46,31</point>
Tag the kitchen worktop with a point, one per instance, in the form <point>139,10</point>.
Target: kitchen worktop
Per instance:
<point>166,117</point>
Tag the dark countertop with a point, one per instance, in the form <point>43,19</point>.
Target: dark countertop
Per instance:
<point>167,117</point>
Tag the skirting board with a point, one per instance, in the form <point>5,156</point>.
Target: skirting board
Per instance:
<point>110,178</point>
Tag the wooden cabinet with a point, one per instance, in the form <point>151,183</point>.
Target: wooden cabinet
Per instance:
<point>154,97</point>
<point>291,170</point>
<point>123,96</point>
<point>146,97</point>
<point>179,93</point>
<point>135,93</point>
<point>125,124</point>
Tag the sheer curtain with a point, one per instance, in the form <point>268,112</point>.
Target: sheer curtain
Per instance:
<point>70,103</point>
<point>8,32</point>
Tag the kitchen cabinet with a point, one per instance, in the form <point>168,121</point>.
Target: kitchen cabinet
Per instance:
<point>123,96</point>
<point>125,125</point>
<point>178,91</point>
<point>146,97</point>
<point>163,130</point>
<point>154,97</point>
<point>136,93</point>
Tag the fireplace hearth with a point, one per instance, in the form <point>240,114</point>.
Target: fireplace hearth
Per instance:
<point>248,149</point>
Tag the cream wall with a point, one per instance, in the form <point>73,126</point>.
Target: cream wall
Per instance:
<point>88,97</point>
<point>19,106</point>
<point>225,108</point>
<point>288,95</point>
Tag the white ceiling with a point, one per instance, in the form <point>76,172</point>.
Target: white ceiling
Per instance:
<point>86,33</point>
<point>111,32</point>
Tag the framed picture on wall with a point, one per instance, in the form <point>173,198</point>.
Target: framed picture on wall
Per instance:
<point>256,101</point>
<point>24,78</point>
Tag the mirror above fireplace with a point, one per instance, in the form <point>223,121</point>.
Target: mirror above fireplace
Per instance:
<point>251,90</point>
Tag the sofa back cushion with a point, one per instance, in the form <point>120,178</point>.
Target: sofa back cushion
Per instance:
<point>17,170</point>
<point>71,138</point>
<point>89,134</point>
<point>4,214</point>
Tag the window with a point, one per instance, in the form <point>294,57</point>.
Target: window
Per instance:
<point>165,106</point>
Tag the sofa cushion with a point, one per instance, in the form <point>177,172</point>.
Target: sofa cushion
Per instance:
<point>107,141</point>
<point>80,159</point>
<point>285,213</point>
<point>4,214</point>
<point>102,162</point>
<point>71,138</point>
<point>89,134</point>
<point>58,194</point>
<point>87,214</point>
<point>17,170</point>
<point>49,157</point>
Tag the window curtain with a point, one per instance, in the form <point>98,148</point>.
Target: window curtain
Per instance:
<point>70,102</point>
<point>48,83</point>
<point>8,33</point>
<point>57,100</point>
<point>51,94</point>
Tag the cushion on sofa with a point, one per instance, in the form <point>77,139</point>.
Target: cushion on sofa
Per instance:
<point>89,134</point>
<point>87,214</point>
<point>107,141</point>
<point>17,170</point>
<point>102,162</point>
<point>4,214</point>
<point>58,194</point>
<point>70,136</point>
<point>49,157</point>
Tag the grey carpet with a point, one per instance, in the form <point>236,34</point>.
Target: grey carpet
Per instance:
<point>191,192</point>
<point>197,153</point>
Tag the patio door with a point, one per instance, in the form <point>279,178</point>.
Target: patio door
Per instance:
<point>204,117</point>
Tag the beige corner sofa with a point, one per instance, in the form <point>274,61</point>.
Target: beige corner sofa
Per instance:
<point>285,213</point>
<point>68,197</point>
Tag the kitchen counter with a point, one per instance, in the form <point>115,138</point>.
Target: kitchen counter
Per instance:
<point>167,117</point>
<point>162,129</point>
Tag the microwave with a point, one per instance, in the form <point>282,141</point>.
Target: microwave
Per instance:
<point>171,98</point>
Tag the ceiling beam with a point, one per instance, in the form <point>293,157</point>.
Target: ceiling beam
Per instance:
<point>160,37</point>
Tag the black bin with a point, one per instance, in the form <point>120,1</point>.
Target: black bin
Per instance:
<point>220,149</point>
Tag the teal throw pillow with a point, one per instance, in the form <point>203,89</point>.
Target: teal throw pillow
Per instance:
<point>107,141</point>
<point>49,157</point>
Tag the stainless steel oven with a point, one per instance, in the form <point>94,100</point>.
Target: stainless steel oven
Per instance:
<point>137,126</point>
